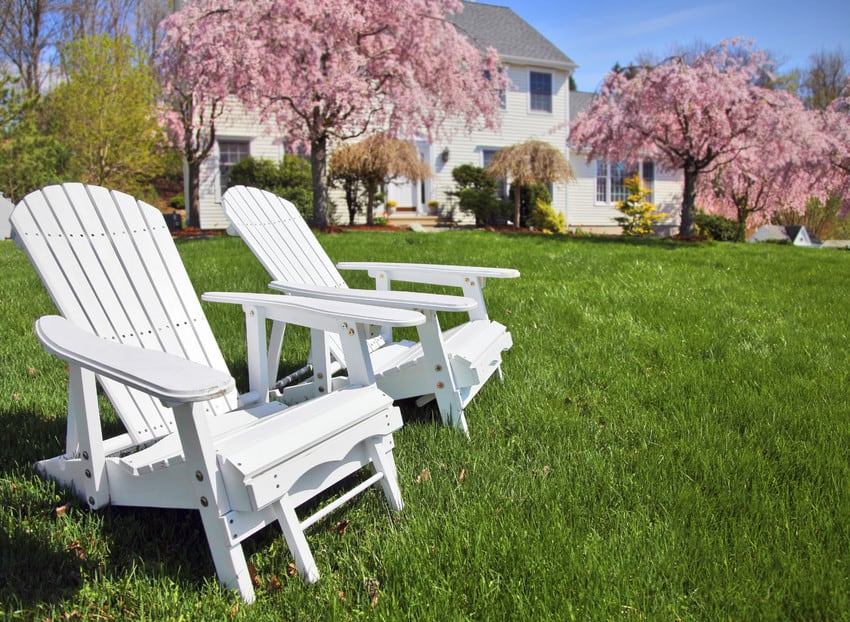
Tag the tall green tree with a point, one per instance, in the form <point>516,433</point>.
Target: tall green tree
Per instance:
<point>29,157</point>
<point>105,113</point>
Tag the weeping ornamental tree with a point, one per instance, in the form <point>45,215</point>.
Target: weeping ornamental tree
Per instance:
<point>326,70</point>
<point>529,163</point>
<point>376,161</point>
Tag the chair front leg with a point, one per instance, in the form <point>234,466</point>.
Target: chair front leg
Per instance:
<point>86,442</point>
<point>296,541</point>
<point>211,498</point>
<point>258,352</point>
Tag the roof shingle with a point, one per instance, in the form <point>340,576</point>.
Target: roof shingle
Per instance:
<point>513,37</point>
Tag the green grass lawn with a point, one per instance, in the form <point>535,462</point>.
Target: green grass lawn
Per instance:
<point>671,443</point>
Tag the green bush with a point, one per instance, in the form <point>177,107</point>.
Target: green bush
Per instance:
<point>290,179</point>
<point>639,216</point>
<point>823,218</point>
<point>528,198</point>
<point>476,195</point>
<point>714,227</point>
<point>177,202</point>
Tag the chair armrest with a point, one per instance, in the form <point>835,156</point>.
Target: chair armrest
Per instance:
<point>328,315</point>
<point>165,376</point>
<point>416,301</point>
<point>432,274</point>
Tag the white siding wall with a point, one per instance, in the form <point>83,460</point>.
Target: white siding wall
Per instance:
<point>234,124</point>
<point>519,124</point>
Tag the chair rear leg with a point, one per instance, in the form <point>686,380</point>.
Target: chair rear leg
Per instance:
<point>451,409</point>
<point>296,541</point>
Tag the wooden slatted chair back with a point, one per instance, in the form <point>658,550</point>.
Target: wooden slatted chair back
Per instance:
<point>111,266</point>
<point>277,234</point>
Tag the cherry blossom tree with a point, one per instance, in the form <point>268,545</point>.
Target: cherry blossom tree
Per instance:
<point>695,117</point>
<point>329,70</point>
<point>782,168</point>
<point>836,126</point>
<point>193,96</point>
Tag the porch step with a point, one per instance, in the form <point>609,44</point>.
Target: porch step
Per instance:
<point>411,218</point>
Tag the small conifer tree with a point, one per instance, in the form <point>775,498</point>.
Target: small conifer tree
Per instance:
<point>639,214</point>
<point>545,218</point>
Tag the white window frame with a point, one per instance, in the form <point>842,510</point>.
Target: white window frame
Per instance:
<point>224,167</point>
<point>604,191</point>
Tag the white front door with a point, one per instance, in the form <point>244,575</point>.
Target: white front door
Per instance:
<point>415,194</point>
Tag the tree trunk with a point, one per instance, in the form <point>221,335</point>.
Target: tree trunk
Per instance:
<point>319,163</point>
<point>371,191</point>
<point>517,205</point>
<point>686,227</point>
<point>193,201</point>
<point>350,186</point>
<point>743,215</point>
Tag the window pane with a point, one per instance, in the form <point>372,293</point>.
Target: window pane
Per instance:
<point>649,180</point>
<point>540,88</point>
<point>230,152</point>
<point>601,181</point>
<point>618,179</point>
<point>501,184</point>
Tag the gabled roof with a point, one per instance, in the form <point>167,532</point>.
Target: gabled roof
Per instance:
<point>488,25</point>
<point>579,100</point>
<point>797,235</point>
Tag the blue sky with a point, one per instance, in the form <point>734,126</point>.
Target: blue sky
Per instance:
<point>598,33</point>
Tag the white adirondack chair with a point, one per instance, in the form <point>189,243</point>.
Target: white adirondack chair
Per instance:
<point>133,322</point>
<point>450,366</point>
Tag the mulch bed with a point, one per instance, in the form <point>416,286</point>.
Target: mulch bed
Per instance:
<point>194,233</point>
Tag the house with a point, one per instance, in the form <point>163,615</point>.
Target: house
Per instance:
<point>797,235</point>
<point>593,197</point>
<point>535,106</point>
<point>538,105</point>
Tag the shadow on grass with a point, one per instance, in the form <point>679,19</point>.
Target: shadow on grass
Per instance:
<point>32,572</point>
<point>51,544</point>
<point>49,556</point>
<point>28,437</point>
<point>428,414</point>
